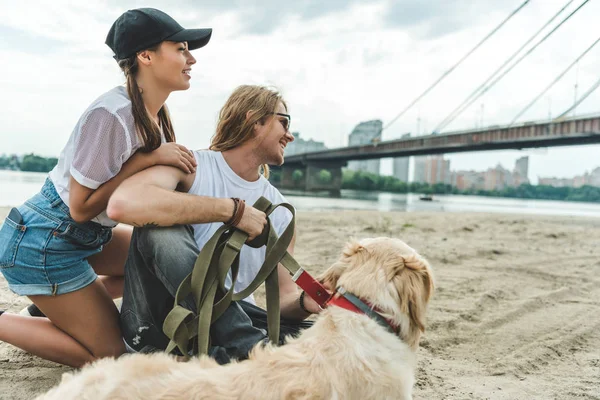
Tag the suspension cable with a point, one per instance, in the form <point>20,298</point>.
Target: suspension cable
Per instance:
<point>585,95</point>
<point>445,74</point>
<point>558,78</point>
<point>451,118</point>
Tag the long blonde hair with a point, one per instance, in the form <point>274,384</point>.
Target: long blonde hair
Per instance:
<point>233,128</point>
<point>147,129</point>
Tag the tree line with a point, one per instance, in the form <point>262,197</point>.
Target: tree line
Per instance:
<point>360,180</point>
<point>29,163</point>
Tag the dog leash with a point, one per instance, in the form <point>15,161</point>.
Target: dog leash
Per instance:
<point>207,279</point>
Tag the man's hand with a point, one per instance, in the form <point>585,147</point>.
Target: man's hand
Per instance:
<point>253,222</point>
<point>311,305</point>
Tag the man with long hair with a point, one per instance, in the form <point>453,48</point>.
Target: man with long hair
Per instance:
<point>252,132</point>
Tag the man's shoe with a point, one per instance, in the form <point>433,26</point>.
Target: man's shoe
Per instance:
<point>32,311</point>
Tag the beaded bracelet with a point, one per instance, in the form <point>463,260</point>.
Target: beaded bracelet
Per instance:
<point>301,301</point>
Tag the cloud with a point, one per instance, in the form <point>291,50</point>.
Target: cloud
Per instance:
<point>336,62</point>
<point>434,19</point>
<point>255,17</point>
<point>15,39</point>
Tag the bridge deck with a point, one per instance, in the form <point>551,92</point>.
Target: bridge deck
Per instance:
<point>566,132</point>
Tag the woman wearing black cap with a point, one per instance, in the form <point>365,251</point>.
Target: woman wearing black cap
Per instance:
<point>53,246</point>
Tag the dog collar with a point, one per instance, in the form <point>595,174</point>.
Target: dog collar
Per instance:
<point>346,300</point>
<point>352,303</point>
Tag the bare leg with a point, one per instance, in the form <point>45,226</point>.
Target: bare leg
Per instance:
<point>84,327</point>
<point>113,285</point>
<point>110,262</point>
<point>41,337</point>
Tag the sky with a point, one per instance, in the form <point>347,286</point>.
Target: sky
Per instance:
<point>336,62</point>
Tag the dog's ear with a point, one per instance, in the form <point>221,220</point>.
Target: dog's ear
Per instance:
<point>414,284</point>
<point>421,266</point>
<point>330,277</point>
<point>352,248</point>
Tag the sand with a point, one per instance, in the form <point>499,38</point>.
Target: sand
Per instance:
<point>515,314</point>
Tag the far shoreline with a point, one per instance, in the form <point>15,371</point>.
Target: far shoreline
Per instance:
<point>427,190</point>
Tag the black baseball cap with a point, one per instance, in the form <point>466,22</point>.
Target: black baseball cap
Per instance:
<point>139,29</point>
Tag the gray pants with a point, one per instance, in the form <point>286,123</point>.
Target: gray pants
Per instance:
<point>158,261</point>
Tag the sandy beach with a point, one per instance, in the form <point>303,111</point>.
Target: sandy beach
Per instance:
<point>514,316</point>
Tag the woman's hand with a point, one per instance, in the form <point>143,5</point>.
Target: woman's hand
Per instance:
<point>175,155</point>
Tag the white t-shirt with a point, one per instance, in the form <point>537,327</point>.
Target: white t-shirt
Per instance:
<point>103,139</point>
<point>215,178</point>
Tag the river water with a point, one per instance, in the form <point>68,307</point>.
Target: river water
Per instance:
<point>17,186</point>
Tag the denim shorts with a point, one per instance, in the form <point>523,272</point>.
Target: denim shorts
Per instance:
<point>46,252</point>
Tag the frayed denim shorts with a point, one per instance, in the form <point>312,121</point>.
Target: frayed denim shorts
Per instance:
<point>45,251</point>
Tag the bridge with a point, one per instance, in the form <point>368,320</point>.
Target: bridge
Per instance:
<point>559,132</point>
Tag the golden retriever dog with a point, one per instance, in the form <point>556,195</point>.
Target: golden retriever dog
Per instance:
<point>344,355</point>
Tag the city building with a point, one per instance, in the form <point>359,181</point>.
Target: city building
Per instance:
<point>432,169</point>
<point>580,180</point>
<point>400,168</point>
<point>420,166</point>
<point>464,180</point>
<point>557,182</point>
<point>594,177</point>
<point>367,132</point>
<point>588,178</point>
<point>521,171</point>
<point>522,166</point>
<point>497,178</point>
<point>401,165</point>
<point>301,146</point>
<point>438,170</point>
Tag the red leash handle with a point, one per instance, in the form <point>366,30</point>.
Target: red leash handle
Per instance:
<point>312,287</point>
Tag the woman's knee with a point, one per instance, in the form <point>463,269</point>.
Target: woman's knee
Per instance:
<point>103,350</point>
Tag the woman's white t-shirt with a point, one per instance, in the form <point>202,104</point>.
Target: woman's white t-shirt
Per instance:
<point>215,178</point>
<point>103,139</point>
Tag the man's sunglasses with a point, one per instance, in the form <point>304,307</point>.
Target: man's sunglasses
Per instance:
<point>286,122</point>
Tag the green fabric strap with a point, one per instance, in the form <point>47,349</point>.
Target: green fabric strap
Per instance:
<point>207,280</point>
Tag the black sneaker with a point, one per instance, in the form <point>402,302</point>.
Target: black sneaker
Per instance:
<point>32,311</point>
